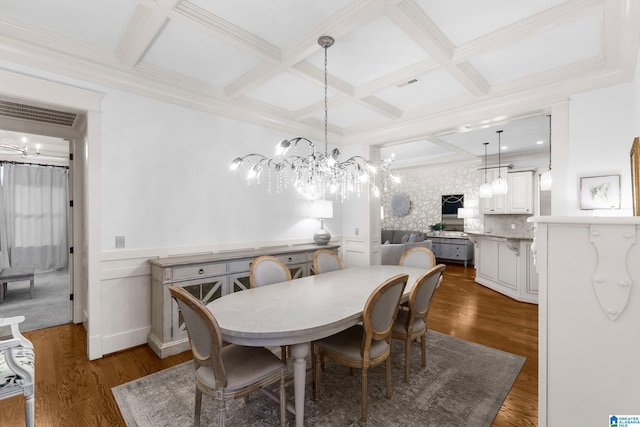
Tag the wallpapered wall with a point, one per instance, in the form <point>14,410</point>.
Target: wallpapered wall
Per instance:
<point>425,186</point>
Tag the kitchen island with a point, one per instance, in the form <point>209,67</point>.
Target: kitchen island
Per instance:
<point>505,264</point>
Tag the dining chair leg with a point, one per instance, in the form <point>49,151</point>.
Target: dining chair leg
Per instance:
<point>387,365</point>
<point>198,406</point>
<point>423,345</point>
<point>283,353</point>
<point>221,412</point>
<point>283,400</point>
<point>363,413</point>
<point>316,374</point>
<point>407,353</point>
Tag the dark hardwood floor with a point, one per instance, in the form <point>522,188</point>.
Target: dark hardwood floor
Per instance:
<point>72,391</point>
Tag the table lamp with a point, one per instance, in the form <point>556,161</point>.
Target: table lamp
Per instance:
<point>322,209</point>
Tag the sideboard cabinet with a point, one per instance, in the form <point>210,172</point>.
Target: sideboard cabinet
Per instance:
<point>208,277</point>
<point>452,248</point>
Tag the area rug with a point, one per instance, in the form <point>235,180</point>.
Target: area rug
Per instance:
<point>48,307</point>
<point>464,384</point>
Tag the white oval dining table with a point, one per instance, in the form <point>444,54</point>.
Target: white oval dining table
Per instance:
<point>300,311</point>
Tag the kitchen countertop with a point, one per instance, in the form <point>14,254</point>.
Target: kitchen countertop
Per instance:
<point>513,236</point>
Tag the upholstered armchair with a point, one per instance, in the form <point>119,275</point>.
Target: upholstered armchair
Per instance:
<point>17,367</point>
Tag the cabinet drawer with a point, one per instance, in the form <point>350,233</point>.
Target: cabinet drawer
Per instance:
<point>293,258</point>
<point>199,270</point>
<point>240,265</point>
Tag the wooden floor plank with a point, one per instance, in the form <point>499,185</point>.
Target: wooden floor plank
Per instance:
<point>72,391</point>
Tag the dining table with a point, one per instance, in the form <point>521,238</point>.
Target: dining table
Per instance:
<point>300,311</point>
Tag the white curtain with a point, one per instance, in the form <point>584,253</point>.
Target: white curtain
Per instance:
<point>34,200</point>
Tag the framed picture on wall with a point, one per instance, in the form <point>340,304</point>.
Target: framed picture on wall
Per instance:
<point>635,175</point>
<point>600,192</point>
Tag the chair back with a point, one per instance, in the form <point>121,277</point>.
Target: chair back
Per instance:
<point>422,293</point>
<point>204,333</point>
<point>326,260</point>
<point>266,270</point>
<point>419,257</point>
<point>381,308</point>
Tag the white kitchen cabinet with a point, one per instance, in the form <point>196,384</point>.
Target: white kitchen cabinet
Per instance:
<point>519,197</point>
<point>495,204</point>
<point>506,266</point>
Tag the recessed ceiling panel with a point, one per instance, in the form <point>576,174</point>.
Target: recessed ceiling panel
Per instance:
<point>351,114</point>
<point>288,91</point>
<point>518,136</point>
<point>374,50</point>
<point>279,22</point>
<point>413,151</point>
<point>100,23</point>
<point>465,20</point>
<point>560,46</point>
<point>197,55</point>
<point>427,89</point>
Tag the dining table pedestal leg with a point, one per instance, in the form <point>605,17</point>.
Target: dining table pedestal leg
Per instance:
<point>299,353</point>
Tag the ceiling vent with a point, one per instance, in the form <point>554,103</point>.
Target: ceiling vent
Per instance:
<point>36,114</point>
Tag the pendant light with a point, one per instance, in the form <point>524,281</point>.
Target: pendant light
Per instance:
<point>485,188</point>
<point>499,185</point>
<point>545,178</point>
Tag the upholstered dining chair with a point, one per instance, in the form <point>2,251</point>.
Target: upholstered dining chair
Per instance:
<point>267,270</point>
<point>225,372</point>
<point>411,322</point>
<point>325,260</point>
<point>367,344</point>
<point>418,256</point>
<point>17,367</point>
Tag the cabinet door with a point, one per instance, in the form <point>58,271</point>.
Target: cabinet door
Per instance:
<point>488,258</point>
<point>507,266</point>
<point>520,192</point>
<point>495,204</point>
<point>205,290</point>
<point>239,282</point>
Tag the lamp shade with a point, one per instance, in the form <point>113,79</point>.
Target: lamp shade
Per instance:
<point>465,213</point>
<point>321,209</point>
<point>545,181</point>
<point>499,186</point>
<point>485,191</point>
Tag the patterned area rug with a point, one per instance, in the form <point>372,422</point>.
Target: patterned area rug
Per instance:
<point>464,384</point>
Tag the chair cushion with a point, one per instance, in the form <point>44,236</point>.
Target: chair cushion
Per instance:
<point>348,343</point>
<point>401,320</point>
<point>9,380</point>
<point>243,365</point>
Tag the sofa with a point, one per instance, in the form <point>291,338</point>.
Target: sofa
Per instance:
<point>396,242</point>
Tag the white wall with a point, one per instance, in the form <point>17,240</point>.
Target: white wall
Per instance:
<point>167,182</point>
<point>602,125</point>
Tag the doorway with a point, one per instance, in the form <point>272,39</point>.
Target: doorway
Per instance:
<point>37,227</point>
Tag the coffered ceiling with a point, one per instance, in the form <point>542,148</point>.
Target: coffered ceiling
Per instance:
<point>440,75</point>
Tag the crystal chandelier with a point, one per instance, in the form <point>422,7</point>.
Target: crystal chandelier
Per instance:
<point>23,150</point>
<point>315,174</point>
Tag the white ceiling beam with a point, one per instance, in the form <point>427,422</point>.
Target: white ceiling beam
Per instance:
<point>411,19</point>
<point>144,27</point>
<point>344,21</point>
<point>252,79</point>
<point>203,20</point>
<point>554,17</point>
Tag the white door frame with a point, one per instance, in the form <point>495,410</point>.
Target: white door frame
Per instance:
<point>41,92</point>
